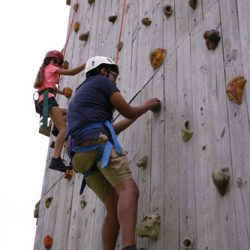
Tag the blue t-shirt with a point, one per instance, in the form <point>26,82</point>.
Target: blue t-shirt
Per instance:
<point>91,103</point>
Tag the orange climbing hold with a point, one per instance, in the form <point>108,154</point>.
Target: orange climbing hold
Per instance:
<point>235,89</point>
<point>157,57</point>
<point>69,174</point>
<point>67,92</point>
<point>76,26</point>
<point>47,241</point>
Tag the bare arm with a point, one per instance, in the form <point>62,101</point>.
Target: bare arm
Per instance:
<point>71,72</point>
<point>132,112</point>
<point>122,125</point>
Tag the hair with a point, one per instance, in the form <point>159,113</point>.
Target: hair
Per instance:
<point>96,71</point>
<point>39,76</point>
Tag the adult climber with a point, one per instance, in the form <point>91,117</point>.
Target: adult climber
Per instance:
<point>96,151</point>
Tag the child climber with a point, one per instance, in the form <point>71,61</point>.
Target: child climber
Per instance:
<point>47,78</point>
<point>96,152</point>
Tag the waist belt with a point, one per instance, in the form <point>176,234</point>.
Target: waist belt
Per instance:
<point>50,90</point>
<point>103,150</point>
<point>106,147</point>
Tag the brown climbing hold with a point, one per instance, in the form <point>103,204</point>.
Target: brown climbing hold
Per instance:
<point>221,179</point>
<point>84,36</point>
<point>142,163</point>
<point>83,203</point>
<point>36,211</point>
<point>69,174</point>
<point>68,2</point>
<point>67,92</point>
<point>65,65</point>
<point>146,21</point>
<point>212,38</point>
<point>235,89</point>
<point>149,226</point>
<point>91,1</point>
<point>48,201</point>
<point>187,243</point>
<point>112,19</point>
<point>47,241</point>
<point>76,26</point>
<point>168,10</point>
<point>186,132</point>
<point>157,57</point>
<point>75,7</point>
<point>193,4</point>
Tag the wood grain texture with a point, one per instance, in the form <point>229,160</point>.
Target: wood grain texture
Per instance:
<point>191,84</point>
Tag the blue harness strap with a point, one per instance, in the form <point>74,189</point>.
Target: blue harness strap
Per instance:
<point>106,148</point>
<point>103,150</point>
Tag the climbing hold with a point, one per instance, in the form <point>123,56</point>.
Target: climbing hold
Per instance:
<point>157,57</point>
<point>212,38</point>
<point>36,211</point>
<point>83,203</point>
<point>68,2</point>
<point>146,21</point>
<point>142,163</point>
<point>91,1</point>
<point>187,243</point>
<point>120,45</point>
<point>69,174</point>
<point>47,241</point>
<point>156,108</point>
<point>168,10</point>
<point>149,226</point>
<point>112,19</point>
<point>48,201</point>
<point>76,26</point>
<point>67,92</point>
<point>84,36</point>
<point>75,7</point>
<point>193,4</point>
<point>235,89</point>
<point>221,179</point>
<point>186,132</point>
<point>65,65</point>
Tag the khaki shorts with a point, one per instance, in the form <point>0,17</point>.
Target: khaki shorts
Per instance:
<point>103,180</point>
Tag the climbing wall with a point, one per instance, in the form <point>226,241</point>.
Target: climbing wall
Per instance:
<point>176,185</point>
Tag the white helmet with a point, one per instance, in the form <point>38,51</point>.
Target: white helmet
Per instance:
<point>96,61</point>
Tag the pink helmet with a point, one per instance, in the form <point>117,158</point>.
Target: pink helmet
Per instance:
<point>54,54</point>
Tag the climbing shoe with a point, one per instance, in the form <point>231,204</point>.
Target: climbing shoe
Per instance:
<point>130,248</point>
<point>57,164</point>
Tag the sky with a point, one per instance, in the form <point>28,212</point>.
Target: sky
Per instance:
<point>28,30</point>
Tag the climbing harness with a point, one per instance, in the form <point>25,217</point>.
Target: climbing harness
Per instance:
<point>103,150</point>
<point>44,113</point>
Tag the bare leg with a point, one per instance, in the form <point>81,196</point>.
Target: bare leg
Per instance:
<point>57,116</point>
<point>110,227</point>
<point>127,210</point>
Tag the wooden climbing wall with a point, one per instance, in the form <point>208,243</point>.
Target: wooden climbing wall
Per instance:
<point>191,84</point>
